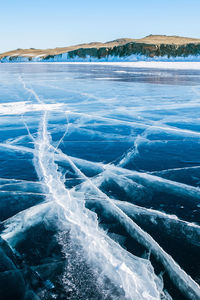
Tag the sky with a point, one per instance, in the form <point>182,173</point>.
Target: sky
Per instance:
<point>48,24</point>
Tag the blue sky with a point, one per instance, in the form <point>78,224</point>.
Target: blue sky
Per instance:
<point>46,24</point>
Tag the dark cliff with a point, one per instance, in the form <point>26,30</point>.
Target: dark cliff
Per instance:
<point>150,50</point>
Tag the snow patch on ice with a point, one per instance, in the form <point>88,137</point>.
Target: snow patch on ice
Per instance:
<point>15,108</point>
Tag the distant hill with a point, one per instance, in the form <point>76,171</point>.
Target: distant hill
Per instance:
<point>149,46</point>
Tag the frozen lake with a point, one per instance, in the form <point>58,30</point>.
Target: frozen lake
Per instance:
<point>99,182</point>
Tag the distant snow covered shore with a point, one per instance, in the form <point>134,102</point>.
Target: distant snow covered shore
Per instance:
<point>131,58</point>
<point>178,65</point>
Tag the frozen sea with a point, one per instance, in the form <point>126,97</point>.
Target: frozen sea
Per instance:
<point>99,182</point>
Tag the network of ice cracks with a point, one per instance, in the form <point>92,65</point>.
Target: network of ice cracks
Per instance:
<point>134,275</point>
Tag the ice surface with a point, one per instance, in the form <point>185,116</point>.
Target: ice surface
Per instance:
<point>111,168</point>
